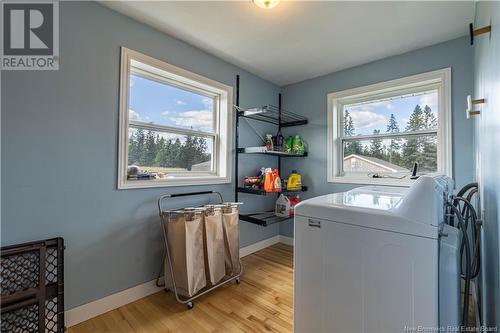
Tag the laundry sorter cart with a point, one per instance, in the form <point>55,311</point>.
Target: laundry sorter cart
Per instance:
<point>201,247</point>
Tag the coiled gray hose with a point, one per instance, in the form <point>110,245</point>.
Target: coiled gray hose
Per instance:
<point>461,207</point>
<point>465,241</point>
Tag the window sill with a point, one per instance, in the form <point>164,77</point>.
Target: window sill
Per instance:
<point>372,181</point>
<point>191,181</point>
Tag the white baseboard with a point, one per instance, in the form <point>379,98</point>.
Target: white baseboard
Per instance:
<point>95,308</point>
<point>286,240</point>
<point>244,251</point>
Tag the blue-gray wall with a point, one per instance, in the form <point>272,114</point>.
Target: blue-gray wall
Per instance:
<point>59,152</point>
<point>487,139</point>
<point>309,98</point>
<point>59,144</point>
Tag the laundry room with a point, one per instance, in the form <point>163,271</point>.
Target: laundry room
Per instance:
<point>250,166</point>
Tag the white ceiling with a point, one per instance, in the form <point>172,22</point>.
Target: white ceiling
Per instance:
<point>300,40</point>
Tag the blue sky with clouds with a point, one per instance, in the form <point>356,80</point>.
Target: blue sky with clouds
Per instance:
<point>371,116</point>
<point>158,103</point>
<point>153,102</point>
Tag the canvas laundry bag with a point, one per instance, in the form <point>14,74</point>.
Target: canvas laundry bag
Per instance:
<point>214,245</point>
<point>231,239</point>
<point>185,243</point>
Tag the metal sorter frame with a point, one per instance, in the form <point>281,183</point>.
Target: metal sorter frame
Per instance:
<point>188,301</point>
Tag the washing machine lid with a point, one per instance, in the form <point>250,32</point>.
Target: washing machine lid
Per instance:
<point>373,197</point>
<point>415,211</point>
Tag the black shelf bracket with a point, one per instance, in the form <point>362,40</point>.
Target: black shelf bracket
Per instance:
<point>237,136</point>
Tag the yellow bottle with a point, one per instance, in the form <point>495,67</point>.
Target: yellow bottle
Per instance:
<point>294,182</point>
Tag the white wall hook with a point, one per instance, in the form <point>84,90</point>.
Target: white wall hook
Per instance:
<point>470,102</point>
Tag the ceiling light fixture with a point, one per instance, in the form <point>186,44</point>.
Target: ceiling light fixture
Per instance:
<point>267,4</point>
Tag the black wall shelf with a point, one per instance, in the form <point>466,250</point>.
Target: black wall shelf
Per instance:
<point>263,218</point>
<point>258,191</point>
<point>251,150</point>
<point>272,115</point>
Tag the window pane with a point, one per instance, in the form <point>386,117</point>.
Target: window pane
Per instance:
<point>398,114</point>
<point>391,155</point>
<point>162,154</point>
<point>155,102</point>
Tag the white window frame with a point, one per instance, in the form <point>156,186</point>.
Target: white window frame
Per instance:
<point>222,136</point>
<point>439,79</point>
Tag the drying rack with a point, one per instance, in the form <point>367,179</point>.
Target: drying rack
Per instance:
<point>188,301</point>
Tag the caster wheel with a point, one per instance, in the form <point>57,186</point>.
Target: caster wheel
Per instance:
<point>237,280</point>
<point>166,290</point>
<point>190,305</point>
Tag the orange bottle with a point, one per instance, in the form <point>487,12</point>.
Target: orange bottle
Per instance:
<point>268,180</point>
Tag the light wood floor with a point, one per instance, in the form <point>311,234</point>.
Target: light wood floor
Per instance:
<point>262,302</point>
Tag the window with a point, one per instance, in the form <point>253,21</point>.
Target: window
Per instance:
<point>175,126</point>
<point>382,129</point>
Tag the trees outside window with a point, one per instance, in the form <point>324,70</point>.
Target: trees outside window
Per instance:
<point>386,127</point>
<point>401,151</point>
<point>175,126</point>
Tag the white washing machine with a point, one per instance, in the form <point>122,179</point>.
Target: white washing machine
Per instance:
<point>367,260</point>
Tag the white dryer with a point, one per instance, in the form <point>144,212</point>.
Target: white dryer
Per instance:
<point>367,260</point>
